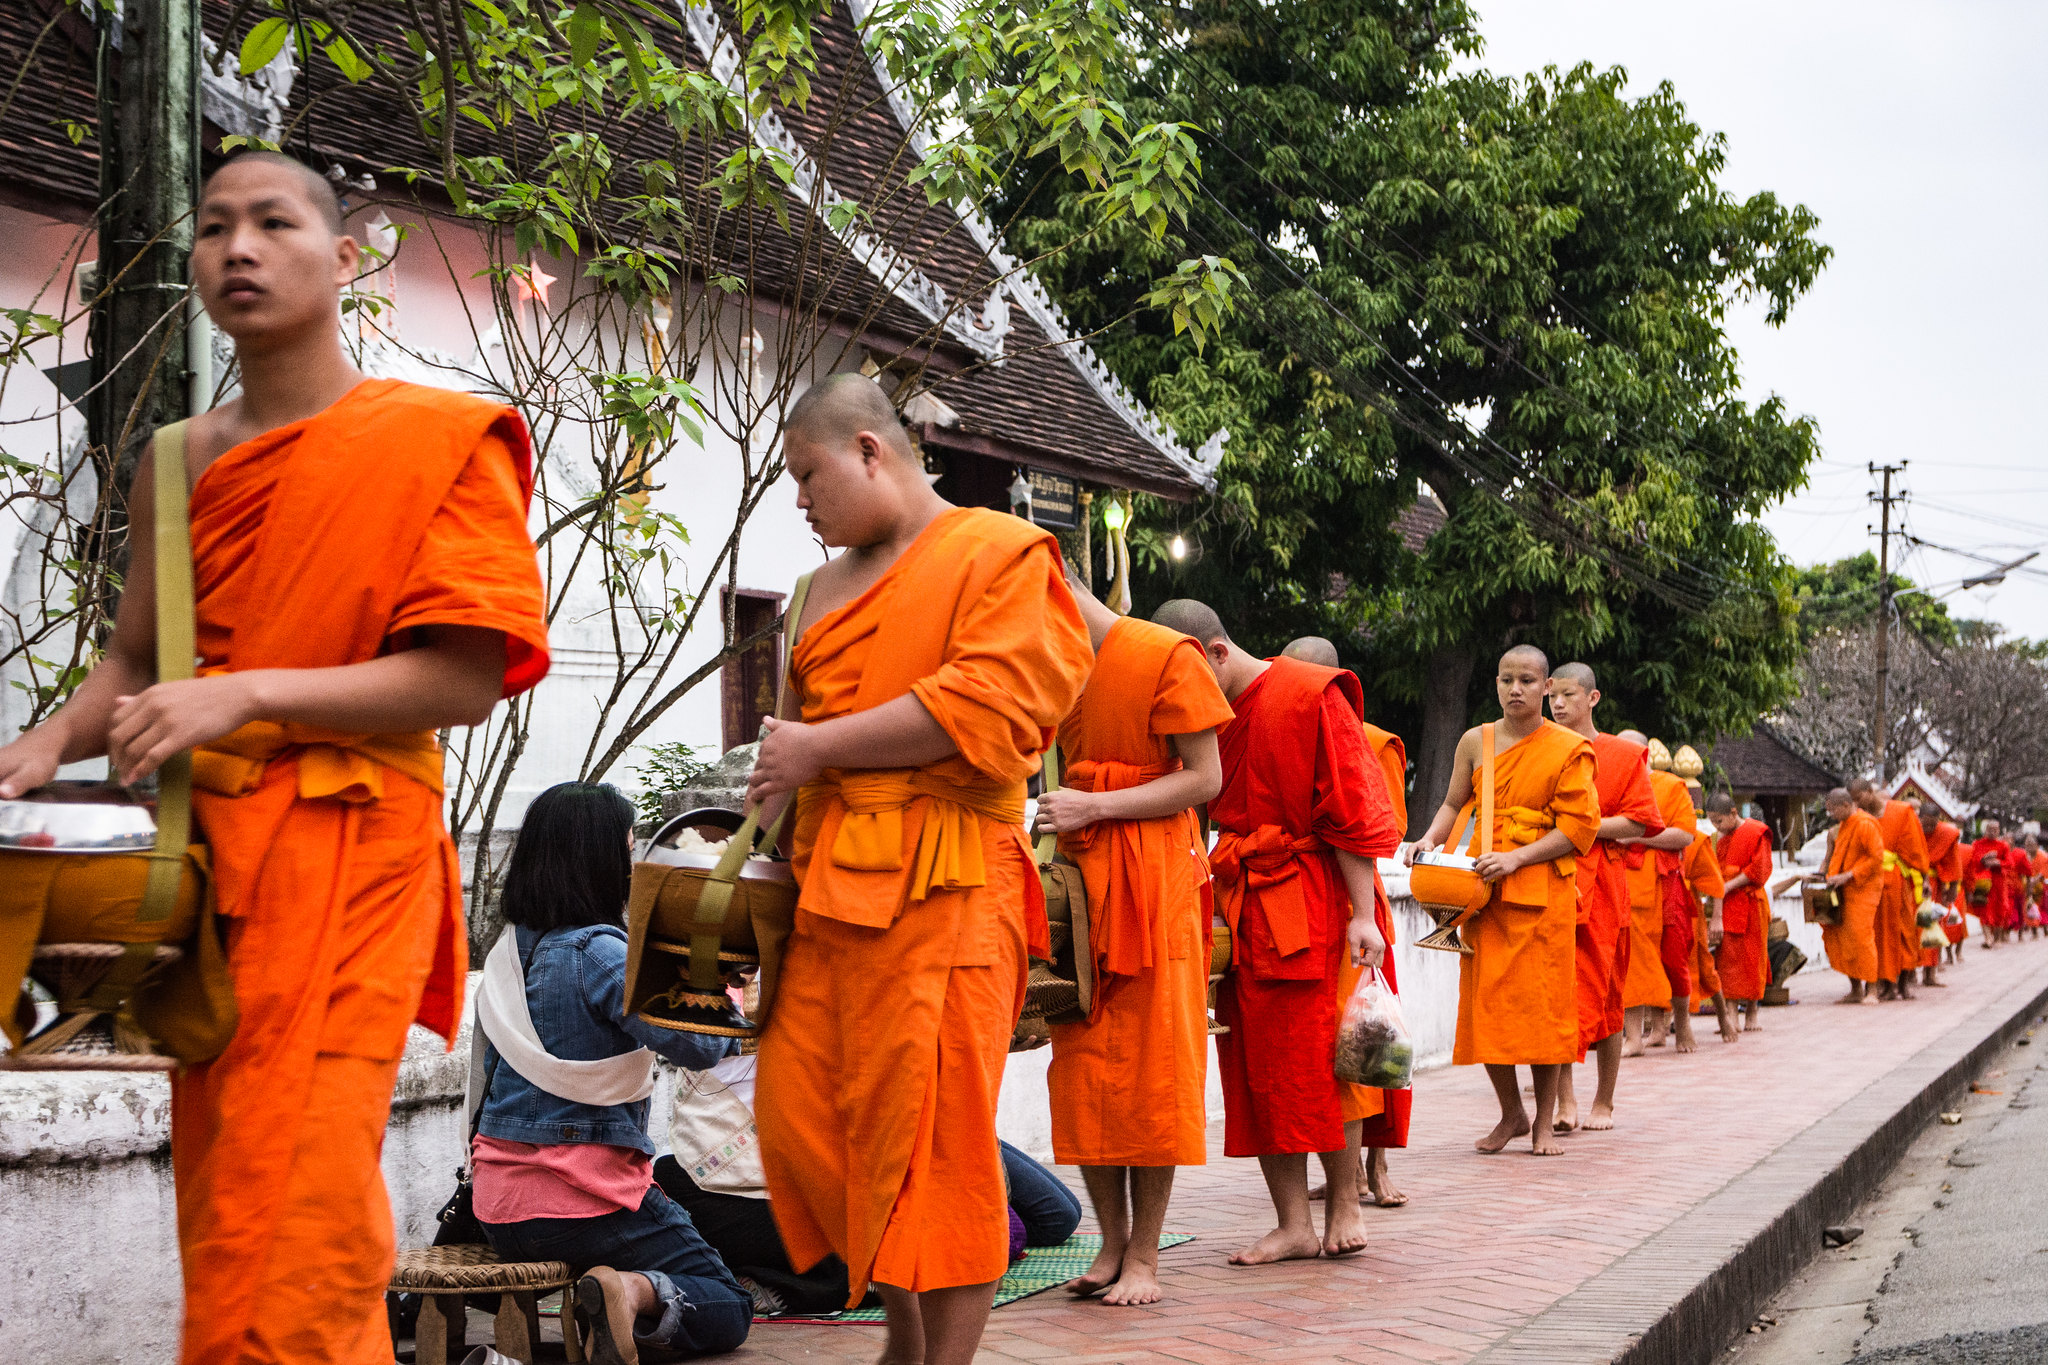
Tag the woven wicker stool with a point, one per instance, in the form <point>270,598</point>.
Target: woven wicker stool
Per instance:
<point>437,1273</point>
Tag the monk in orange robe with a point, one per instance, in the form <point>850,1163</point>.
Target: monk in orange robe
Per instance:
<point>1602,937</point>
<point>936,656</point>
<point>2037,885</point>
<point>1855,867</point>
<point>1659,908</point>
<point>1742,959</point>
<point>1987,885</point>
<point>1128,1084</point>
<point>1906,871</point>
<point>363,577</point>
<point>1301,818</point>
<point>1383,1114</point>
<point>1945,857</point>
<point>1517,991</point>
<point>1698,981</point>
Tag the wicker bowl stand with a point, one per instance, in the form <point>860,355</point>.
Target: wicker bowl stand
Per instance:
<point>444,1272</point>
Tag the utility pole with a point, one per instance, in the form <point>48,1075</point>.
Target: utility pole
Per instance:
<point>149,182</point>
<point>1884,604</point>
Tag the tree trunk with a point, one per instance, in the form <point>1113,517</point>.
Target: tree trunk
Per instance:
<point>1444,718</point>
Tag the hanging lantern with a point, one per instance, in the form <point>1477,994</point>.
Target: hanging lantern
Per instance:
<point>1020,496</point>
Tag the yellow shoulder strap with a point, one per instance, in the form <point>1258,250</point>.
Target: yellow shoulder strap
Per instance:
<point>176,648</point>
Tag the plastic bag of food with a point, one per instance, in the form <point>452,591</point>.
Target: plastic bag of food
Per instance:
<point>1373,1044</point>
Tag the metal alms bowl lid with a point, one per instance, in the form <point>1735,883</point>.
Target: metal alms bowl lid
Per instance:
<point>77,817</point>
<point>705,824</point>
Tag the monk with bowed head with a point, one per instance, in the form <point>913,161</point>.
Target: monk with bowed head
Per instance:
<point>1743,958</point>
<point>1658,992</point>
<point>1986,887</point>
<point>363,577</point>
<point>1517,994</point>
<point>935,658</point>
<point>1128,1084</point>
<point>1906,871</point>
<point>1945,858</point>
<point>1383,1114</point>
<point>1855,867</point>
<point>1692,930</point>
<point>1301,818</point>
<point>1601,938</point>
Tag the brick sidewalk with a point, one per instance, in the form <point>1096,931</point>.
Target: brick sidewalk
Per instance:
<point>1486,1243</point>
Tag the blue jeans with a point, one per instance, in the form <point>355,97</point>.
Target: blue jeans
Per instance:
<point>1048,1208</point>
<point>659,1241</point>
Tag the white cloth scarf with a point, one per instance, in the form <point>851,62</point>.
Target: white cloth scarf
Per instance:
<point>502,1016</point>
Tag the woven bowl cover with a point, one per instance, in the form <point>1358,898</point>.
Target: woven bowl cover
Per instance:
<point>467,1267</point>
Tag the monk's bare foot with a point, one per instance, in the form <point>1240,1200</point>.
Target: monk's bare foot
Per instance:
<point>1504,1132</point>
<point>1318,1192</point>
<point>1282,1245</point>
<point>1137,1285</point>
<point>1380,1185</point>
<point>1344,1231</point>
<point>1104,1272</point>
<point>1754,1022</point>
<point>1885,991</point>
<point>1567,1119</point>
<point>1682,1037</point>
<point>1634,1048</point>
<point>1728,1033</point>
<point>1853,998</point>
<point>1869,1000</point>
<point>1601,1120</point>
<point>1545,1144</point>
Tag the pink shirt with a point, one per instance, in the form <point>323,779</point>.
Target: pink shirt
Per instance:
<point>515,1181</point>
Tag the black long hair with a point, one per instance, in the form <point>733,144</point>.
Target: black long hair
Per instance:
<point>572,865</point>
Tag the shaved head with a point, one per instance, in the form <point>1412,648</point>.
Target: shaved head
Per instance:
<point>1529,654</point>
<point>836,409</point>
<point>1189,617</point>
<point>1635,737</point>
<point>1579,675</point>
<point>1840,797</point>
<point>1861,785</point>
<point>311,185</point>
<point>1720,803</point>
<point>1312,649</point>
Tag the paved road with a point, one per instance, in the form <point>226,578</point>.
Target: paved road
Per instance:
<point>1952,1267</point>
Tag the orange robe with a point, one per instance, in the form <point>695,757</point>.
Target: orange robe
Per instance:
<point>1385,1113</point>
<point>1655,889</point>
<point>1945,856</point>
<point>1517,991</point>
<point>1906,868</point>
<point>1998,908</point>
<point>1128,1085</point>
<point>1601,941</point>
<point>904,975</point>
<point>323,543</point>
<point>1298,785</point>
<point>1857,847</point>
<point>1700,874</point>
<point>1743,959</point>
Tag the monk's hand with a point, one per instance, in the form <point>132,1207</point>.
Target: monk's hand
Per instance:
<point>788,759</point>
<point>1415,850</point>
<point>170,717</point>
<point>1841,879</point>
<point>1368,949</point>
<point>1065,810</point>
<point>28,763</point>
<point>1493,866</point>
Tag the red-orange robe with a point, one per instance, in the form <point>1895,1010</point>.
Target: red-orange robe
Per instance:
<point>1906,866</point>
<point>1517,989</point>
<point>1945,855</point>
<point>1601,939</point>
<point>1857,846</point>
<point>323,543</point>
<point>1383,1114</point>
<point>1656,887</point>
<point>904,975</point>
<point>2038,883</point>
<point>1743,959</point>
<point>1699,881</point>
<point>1986,889</point>
<point>1128,1084</point>
<point>1298,785</point>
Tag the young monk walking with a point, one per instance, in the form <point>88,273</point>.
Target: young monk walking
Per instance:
<point>1660,919</point>
<point>1906,870</point>
<point>1602,936</point>
<point>363,578</point>
<point>1127,1085</point>
<point>1383,1115</point>
<point>1743,960</point>
<point>1697,923</point>
<point>1856,869</point>
<point>935,657</point>
<point>1301,817</point>
<point>1945,859</point>
<point>1986,884</point>
<point>1517,994</point>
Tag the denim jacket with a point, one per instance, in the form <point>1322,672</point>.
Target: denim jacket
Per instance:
<point>576,992</point>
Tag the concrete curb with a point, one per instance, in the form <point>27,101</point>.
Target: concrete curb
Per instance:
<point>1690,1290</point>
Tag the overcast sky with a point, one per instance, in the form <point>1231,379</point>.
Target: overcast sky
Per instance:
<point>1919,134</point>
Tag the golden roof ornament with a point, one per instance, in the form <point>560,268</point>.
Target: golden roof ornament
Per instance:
<point>1660,757</point>
<point>1686,763</point>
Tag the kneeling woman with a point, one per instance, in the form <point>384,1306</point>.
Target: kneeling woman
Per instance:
<point>563,1162</point>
